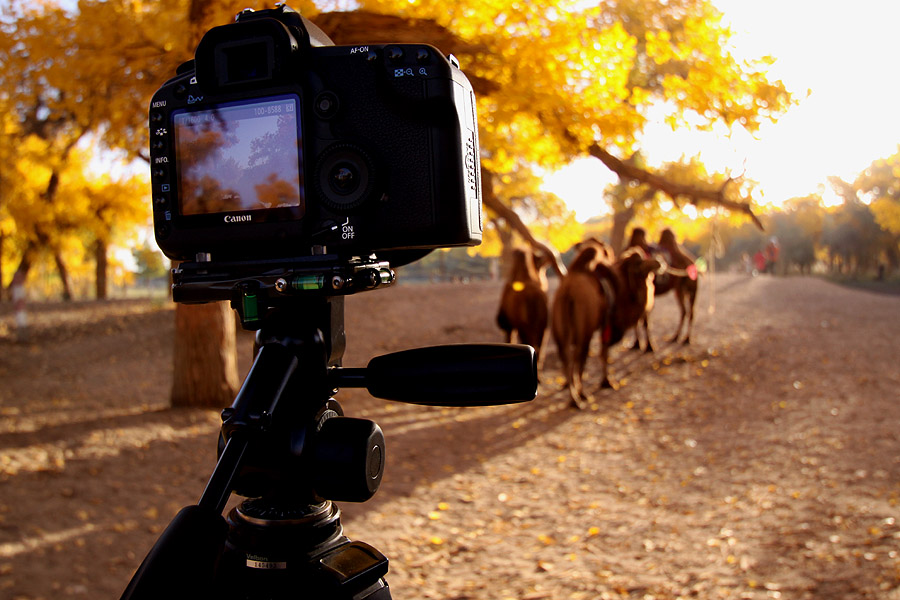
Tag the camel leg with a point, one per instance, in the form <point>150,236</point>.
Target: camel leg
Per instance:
<point>567,357</point>
<point>579,398</point>
<point>646,321</point>
<point>637,336</point>
<point>604,367</point>
<point>690,310</point>
<point>562,350</point>
<point>679,296</point>
<point>637,340</point>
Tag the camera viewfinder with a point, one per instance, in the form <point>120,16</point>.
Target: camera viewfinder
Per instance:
<point>245,61</point>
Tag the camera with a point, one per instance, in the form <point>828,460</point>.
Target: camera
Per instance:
<point>273,143</point>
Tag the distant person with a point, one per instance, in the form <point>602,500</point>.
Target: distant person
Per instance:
<point>17,291</point>
<point>759,263</point>
<point>771,255</point>
<point>746,263</point>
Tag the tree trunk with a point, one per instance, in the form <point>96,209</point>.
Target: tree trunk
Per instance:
<point>102,264</point>
<point>18,295</point>
<point>2,289</point>
<point>205,357</point>
<point>21,272</point>
<point>63,276</point>
<point>621,219</point>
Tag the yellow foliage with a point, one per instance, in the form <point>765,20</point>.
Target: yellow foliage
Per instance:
<point>887,213</point>
<point>880,182</point>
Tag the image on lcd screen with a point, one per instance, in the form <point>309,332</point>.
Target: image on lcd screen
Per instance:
<point>240,157</point>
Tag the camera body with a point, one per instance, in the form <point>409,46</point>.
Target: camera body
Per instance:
<point>274,143</point>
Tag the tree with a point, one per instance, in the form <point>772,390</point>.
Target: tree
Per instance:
<point>44,133</point>
<point>798,229</point>
<point>67,75</point>
<point>59,92</point>
<point>880,183</point>
<point>114,213</point>
<point>851,234</point>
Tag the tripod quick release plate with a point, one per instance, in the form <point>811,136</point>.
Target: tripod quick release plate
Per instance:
<point>253,287</point>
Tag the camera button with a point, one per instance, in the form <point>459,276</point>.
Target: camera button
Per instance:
<point>394,53</point>
<point>326,105</point>
<point>423,55</point>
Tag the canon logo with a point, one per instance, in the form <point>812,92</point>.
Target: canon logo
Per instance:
<point>238,218</point>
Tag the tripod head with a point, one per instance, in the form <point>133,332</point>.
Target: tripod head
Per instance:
<point>286,446</point>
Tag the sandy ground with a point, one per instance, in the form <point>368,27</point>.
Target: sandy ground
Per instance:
<point>761,461</point>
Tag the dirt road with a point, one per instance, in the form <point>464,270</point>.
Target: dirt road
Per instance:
<point>761,461</point>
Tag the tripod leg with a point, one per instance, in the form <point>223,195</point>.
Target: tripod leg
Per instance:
<point>219,487</point>
<point>182,563</point>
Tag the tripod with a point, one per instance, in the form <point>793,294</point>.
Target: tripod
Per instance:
<point>287,448</point>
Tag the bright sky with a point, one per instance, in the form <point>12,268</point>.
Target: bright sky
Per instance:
<point>845,53</point>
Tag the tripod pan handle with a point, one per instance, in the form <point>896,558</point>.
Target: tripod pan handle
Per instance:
<point>455,375</point>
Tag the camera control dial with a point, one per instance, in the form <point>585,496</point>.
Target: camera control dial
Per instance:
<point>345,177</point>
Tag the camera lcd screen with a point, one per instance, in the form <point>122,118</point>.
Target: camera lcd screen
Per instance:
<point>240,156</point>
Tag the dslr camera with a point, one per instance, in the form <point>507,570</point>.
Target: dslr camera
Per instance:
<point>275,144</point>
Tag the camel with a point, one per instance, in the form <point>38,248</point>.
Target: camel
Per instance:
<point>677,273</point>
<point>523,301</point>
<point>598,293</point>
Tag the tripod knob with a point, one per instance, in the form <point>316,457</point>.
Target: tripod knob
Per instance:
<point>348,459</point>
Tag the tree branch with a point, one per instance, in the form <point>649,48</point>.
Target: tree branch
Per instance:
<point>491,201</point>
<point>695,195</point>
